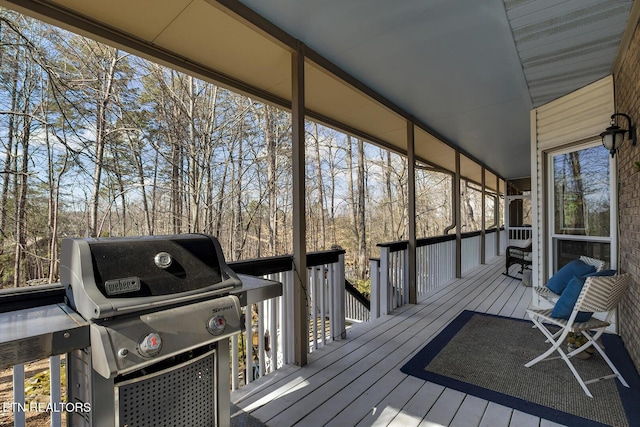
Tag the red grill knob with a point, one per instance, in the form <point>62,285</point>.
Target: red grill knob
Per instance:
<point>150,345</point>
<point>216,325</point>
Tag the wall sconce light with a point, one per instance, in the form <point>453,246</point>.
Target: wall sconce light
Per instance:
<point>613,136</point>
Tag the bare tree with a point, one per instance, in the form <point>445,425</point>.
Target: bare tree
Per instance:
<point>360,216</point>
<point>320,183</point>
<point>104,96</point>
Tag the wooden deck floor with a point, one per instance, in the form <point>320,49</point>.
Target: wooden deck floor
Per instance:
<point>357,381</point>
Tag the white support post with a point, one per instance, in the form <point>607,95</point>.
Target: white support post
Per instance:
<point>483,210</point>
<point>411,269</point>
<point>299,236</point>
<point>496,218</point>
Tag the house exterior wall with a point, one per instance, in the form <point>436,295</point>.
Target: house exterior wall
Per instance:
<point>573,119</point>
<point>627,90</point>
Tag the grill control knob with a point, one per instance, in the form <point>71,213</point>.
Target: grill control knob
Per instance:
<point>150,345</point>
<point>216,325</point>
<point>162,260</point>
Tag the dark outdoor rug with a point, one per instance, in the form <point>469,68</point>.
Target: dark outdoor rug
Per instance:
<point>484,356</point>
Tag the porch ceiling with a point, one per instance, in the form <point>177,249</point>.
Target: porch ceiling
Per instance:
<point>467,71</point>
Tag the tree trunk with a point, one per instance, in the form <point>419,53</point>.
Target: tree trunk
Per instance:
<point>194,168</point>
<point>332,198</point>
<point>221,196</point>
<point>9,160</point>
<point>362,240</point>
<point>323,225</point>
<point>101,129</point>
<point>389,194</point>
<point>238,223</point>
<point>136,157</point>
<point>352,201</point>
<point>21,205</point>
<point>272,178</point>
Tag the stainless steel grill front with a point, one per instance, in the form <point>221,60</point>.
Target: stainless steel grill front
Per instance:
<point>160,315</point>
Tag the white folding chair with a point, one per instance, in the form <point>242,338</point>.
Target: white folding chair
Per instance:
<point>550,296</point>
<point>600,294</point>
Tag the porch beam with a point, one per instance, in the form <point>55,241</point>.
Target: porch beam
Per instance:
<point>411,159</point>
<point>300,317</point>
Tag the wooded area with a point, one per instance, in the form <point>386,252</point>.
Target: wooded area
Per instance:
<point>97,142</point>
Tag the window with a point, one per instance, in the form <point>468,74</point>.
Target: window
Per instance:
<point>581,189</point>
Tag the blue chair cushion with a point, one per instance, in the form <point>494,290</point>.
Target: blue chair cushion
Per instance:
<point>559,281</point>
<point>566,302</point>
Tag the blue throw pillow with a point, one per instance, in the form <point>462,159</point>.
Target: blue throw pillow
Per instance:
<point>569,297</point>
<point>559,281</point>
<point>564,305</point>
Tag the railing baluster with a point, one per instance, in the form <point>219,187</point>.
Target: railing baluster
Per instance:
<point>384,282</point>
<point>396,280</point>
<point>340,295</point>
<point>248,376</point>
<point>314,309</point>
<point>374,297</point>
<point>288,279</point>
<point>261,350</point>
<point>54,389</point>
<point>19,416</point>
<point>333,287</point>
<point>235,358</point>
<point>405,279</point>
<point>433,266</point>
<point>321,303</point>
<point>273,333</point>
<point>399,279</point>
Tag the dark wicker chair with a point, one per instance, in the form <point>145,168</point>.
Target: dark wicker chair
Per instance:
<point>520,255</point>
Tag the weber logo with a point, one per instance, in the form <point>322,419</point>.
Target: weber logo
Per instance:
<point>122,286</point>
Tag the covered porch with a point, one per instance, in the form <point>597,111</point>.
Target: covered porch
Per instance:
<point>357,381</point>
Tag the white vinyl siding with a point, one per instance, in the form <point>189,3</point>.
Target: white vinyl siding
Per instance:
<point>573,119</point>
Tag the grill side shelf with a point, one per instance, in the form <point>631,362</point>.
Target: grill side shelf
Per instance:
<point>40,332</point>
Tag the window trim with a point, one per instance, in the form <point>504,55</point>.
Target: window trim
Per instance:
<point>549,187</point>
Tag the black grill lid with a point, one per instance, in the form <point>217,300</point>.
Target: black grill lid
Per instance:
<point>105,277</point>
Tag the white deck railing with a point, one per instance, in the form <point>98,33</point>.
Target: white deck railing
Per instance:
<point>357,306</point>
<point>518,236</point>
<point>435,265</point>
<point>268,341</point>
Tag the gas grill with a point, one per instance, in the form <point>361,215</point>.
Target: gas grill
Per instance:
<point>160,311</point>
